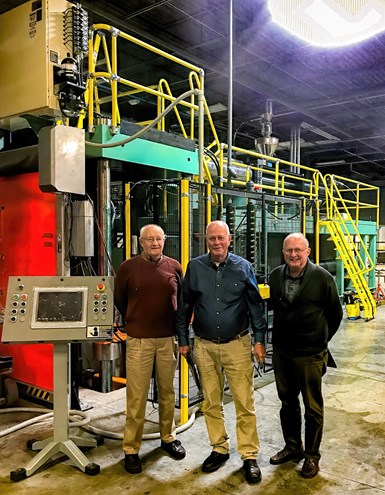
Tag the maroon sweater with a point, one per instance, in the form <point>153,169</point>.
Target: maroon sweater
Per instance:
<point>146,295</point>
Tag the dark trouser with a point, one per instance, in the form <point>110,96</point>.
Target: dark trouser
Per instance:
<point>295,375</point>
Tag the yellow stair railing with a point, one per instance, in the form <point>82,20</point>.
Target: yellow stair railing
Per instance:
<point>344,246</point>
<point>347,239</point>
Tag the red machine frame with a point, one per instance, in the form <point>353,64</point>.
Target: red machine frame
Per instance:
<point>27,247</point>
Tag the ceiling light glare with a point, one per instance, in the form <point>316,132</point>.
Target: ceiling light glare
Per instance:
<point>330,23</point>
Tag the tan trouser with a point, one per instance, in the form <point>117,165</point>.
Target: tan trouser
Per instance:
<point>140,357</point>
<point>235,360</point>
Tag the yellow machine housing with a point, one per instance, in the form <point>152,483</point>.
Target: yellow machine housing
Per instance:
<point>31,45</point>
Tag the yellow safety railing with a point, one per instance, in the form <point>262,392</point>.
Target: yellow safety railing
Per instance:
<point>185,258</point>
<point>278,179</point>
<point>348,195</point>
<point>344,231</point>
<point>103,53</point>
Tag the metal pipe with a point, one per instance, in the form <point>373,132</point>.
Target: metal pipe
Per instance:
<point>298,146</point>
<point>264,237</point>
<point>201,134</point>
<point>230,95</point>
<point>104,216</point>
<point>127,214</point>
<point>62,236</point>
<point>104,247</point>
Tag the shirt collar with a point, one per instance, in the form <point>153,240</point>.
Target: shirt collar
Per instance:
<point>290,277</point>
<point>222,263</point>
<point>147,258</point>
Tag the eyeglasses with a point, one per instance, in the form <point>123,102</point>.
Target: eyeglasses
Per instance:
<point>294,250</point>
<point>220,238</point>
<point>154,239</point>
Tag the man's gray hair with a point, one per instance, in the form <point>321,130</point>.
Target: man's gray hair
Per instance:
<point>145,227</point>
<point>220,223</point>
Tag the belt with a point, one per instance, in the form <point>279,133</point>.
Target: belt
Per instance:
<point>226,341</point>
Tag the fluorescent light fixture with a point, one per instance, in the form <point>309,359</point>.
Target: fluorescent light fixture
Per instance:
<point>320,132</point>
<point>332,162</point>
<point>330,22</point>
<point>217,107</point>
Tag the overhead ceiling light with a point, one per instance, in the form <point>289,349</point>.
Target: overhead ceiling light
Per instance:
<point>330,22</point>
<point>320,132</point>
<point>217,107</point>
<point>332,162</point>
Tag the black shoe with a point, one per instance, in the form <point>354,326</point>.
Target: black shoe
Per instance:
<point>252,471</point>
<point>214,461</point>
<point>174,449</point>
<point>310,467</point>
<point>132,463</point>
<point>286,455</point>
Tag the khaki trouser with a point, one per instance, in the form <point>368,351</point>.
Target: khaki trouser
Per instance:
<point>233,359</point>
<point>140,357</point>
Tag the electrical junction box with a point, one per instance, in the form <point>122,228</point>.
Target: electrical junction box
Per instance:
<point>62,159</point>
<point>31,45</point>
<point>82,231</point>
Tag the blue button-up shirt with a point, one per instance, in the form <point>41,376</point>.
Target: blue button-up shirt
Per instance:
<point>225,300</point>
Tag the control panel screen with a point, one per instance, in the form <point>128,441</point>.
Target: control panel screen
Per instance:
<point>59,309</point>
<point>53,307</point>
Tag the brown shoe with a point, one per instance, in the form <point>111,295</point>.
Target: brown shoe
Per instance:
<point>310,467</point>
<point>286,455</point>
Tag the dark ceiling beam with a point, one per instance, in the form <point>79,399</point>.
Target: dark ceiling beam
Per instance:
<point>93,6</point>
<point>145,10</point>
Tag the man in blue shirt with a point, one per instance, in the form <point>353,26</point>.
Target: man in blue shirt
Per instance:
<point>221,290</point>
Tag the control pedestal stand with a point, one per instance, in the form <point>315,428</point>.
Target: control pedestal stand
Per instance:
<point>60,443</point>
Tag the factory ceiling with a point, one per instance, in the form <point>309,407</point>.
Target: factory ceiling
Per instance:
<point>333,99</point>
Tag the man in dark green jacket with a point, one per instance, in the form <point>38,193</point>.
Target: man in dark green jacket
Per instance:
<point>307,313</point>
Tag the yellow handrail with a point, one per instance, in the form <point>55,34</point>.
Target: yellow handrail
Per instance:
<point>334,206</point>
<point>161,107</point>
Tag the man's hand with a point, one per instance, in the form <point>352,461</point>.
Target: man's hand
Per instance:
<point>184,350</point>
<point>259,352</point>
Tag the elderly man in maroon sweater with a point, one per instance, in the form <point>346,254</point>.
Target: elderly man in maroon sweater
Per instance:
<point>146,293</point>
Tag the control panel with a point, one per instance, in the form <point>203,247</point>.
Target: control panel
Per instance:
<point>58,309</point>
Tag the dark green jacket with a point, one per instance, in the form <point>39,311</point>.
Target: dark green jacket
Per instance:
<point>305,326</point>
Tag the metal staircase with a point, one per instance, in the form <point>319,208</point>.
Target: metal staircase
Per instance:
<point>349,244</point>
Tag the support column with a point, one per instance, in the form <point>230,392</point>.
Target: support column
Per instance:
<point>104,216</point>
<point>104,252</point>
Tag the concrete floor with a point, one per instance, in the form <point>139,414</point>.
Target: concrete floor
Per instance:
<point>353,449</point>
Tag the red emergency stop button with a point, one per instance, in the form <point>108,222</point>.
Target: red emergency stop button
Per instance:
<point>101,287</point>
